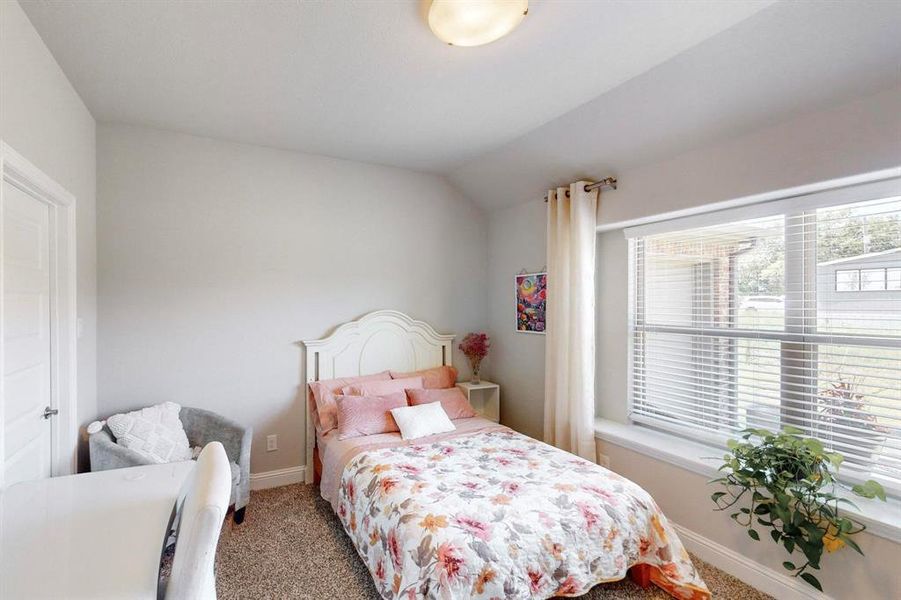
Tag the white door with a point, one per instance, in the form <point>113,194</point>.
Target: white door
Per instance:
<point>26,325</point>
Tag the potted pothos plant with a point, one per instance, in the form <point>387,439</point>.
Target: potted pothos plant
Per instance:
<point>786,483</point>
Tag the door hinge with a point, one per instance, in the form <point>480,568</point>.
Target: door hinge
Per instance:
<point>50,412</point>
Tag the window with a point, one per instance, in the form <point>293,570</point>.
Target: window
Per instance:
<point>743,319</point>
<point>872,280</point>
<point>847,281</point>
<point>893,279</point>
<point>868,280</point>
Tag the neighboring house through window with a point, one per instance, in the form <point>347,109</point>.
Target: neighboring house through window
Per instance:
<point>866,279</point>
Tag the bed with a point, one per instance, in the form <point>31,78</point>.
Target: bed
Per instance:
<point>483,511</point>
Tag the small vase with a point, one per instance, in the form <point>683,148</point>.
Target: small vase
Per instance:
<point>475,375</point>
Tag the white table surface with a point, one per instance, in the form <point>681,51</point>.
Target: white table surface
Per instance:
<point>94,535</point>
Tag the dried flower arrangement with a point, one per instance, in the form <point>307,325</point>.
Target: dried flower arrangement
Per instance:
<point>475,346</point>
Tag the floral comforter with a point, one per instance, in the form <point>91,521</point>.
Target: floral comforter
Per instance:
<point>495,514</point>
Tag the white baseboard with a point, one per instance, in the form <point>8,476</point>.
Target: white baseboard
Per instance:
<point>277,478</point>
<point>767,580</point>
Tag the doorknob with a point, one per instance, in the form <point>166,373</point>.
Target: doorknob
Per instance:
<point>49,412</point>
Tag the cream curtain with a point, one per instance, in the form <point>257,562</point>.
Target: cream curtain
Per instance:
<point>569,351</point>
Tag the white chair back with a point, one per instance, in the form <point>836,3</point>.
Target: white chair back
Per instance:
<point>199,523</point>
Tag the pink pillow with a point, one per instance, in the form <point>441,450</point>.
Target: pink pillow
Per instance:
<point>380,388</point>
<point>432,379</point>
<point>324,396</point>
<point>453,401</point>
<point>367,415</point>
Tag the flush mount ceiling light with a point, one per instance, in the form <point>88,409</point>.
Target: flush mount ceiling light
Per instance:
<point>475,22</point>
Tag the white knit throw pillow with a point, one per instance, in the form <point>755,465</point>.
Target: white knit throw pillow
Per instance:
<point>154,432</point>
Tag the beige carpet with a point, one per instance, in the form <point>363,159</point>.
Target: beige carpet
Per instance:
<point>291,545</point>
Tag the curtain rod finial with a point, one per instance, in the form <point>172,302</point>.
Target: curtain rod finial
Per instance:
<point>609,182</point>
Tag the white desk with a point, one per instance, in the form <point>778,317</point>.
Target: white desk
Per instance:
<point>95,535</point>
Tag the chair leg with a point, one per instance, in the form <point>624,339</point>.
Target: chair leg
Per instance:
<point>239,515</point>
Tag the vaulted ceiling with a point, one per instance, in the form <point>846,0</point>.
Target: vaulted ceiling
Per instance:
<point>581,89</point>
<point>361,80</point>
<point>791,59</point>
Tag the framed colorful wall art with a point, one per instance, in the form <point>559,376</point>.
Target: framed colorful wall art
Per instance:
<point>531,300</point>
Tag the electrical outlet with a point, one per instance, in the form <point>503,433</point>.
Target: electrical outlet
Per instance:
<point>604,460</point>
<point>271,443</point>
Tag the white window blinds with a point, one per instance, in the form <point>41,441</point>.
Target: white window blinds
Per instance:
<point>792,317</point>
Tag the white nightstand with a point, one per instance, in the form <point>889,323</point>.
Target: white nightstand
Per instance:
<point>485,398</point>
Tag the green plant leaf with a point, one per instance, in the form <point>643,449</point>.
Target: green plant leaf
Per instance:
<point>814,533</point>
<point>789,565</point>
<point>812,580</point>
<point>792,430</point>
<point>754,535</point>
<point>775,535</point>
<point>812,552</point>
<point>781,513</point>
<point>862,491</point>
<point>851,543</point>
<point>877,489</point>
<point>870,489</point>
<point>814,445</point>
<point>789,545</point>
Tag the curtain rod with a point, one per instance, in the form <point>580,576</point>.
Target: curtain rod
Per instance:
<point>609,182</point>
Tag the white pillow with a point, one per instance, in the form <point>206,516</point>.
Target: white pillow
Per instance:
<point>421,420</point>
<point>154,432</point>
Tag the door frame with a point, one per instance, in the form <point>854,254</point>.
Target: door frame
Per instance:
<point>21,173</point>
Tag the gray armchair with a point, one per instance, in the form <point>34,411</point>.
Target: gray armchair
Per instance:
<point>201,427</point>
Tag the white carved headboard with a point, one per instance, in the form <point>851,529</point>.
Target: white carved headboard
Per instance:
<point>382,340</point>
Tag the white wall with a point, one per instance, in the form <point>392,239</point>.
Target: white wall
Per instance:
<point>216,258</point>
<point>43,118</point>
<point>612,326</point>
<point>518,241</point>
<point>856,137</point>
